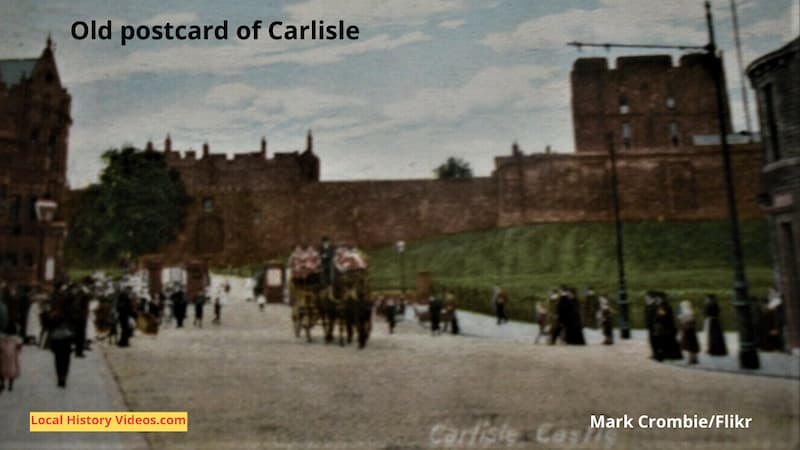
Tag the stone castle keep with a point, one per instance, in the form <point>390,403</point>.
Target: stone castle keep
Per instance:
<point>256,205</point>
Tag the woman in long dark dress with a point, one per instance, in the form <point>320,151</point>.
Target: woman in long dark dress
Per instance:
<point>688,331</point>
<point>573,334</point>
<point>665,332</point>
<point>716,340</point>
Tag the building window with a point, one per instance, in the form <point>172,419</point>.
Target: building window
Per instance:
<point>626,135</point>
<point>674,135</point>
<point>208,204</point>
<point>772,122</point>
<point>623,105</point>
<point>27,259</point>
<point>11,260</point>
<point>34,135</point>
<point>670,103</point>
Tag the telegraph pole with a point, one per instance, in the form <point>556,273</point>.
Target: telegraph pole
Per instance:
<point>748,355</point>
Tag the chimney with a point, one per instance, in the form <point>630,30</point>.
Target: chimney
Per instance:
<point>167,144</point>
<point>515,149</point>
<point>149,146</point>
<point>205,149</point>
<point>309,142</point>
<point>264,146</point>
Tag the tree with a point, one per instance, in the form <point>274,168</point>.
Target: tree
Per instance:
<point>138,206</point>
<point>453,169</point>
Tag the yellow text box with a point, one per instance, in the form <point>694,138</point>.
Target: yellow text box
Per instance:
<point>96,421</point>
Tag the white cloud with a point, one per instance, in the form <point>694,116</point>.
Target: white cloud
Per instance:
<point>652,21</point>
<point>451,24</point>
<point>492,87</point>
<point>372,12</point>
<point>786,27</point>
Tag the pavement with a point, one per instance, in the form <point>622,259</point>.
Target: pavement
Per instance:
<point>90,387</point>
<point>773,364</point>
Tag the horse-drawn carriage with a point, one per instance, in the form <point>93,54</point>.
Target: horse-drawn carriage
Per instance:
<point>335,296</point>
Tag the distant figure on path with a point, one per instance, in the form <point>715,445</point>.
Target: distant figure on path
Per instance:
<point>591,307</point>
<point>10,348</point>
<point>688,331</point>
<point>179,306</point>
<point>573,333</point>
<point>542,318</point>
<point>217,311</point>
<point>606,321</point>
<point>261,301</point>
<point>664,330</point>
<point>389,311</point>
<point>125,313</point>
<point>499,298</point>
<point>772,322</point>
<point>60,331</point>
<point>199,303</point>
<point>435,312</point>
<point>716,340</point>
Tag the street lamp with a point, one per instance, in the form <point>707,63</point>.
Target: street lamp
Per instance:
<point>622,293</point>
<point>45,214</point>
<point>400,246</point>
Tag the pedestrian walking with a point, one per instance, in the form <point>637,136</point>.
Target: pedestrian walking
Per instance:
<point>573,332</point>
<point>688,332</point>
<point>179,306</point>
<point>716,340</point>
<point>499,299</point>
<point>664,330</point>
<point>389,311</point>
<point>261,301</point>
<point>125,314</point>
<point>217,311</point>
<point>60,332</point>
<point>199,303</point>
<point>604,318</point>
<point>435,313</point>
<point>10,348</point>
<point>542,317</point>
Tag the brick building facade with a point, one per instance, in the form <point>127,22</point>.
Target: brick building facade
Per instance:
<point>34,129</point>
<point>646,102</point>
<point>776,80</point>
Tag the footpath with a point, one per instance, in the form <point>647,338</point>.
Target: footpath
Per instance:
<point>90,387</point>
<point>773,364</point>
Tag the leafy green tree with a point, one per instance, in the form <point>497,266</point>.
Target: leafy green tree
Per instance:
<point>138,206</point>
<point>453,169</point>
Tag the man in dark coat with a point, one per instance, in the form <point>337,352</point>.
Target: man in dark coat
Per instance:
<point>573,334</point>
<point>125,313</point>
<point>435,312</point>
<point>327,257</point>
<point>60,332</point>
<point>179,306</point>
<point>716,340</point>
<point>664,330</point>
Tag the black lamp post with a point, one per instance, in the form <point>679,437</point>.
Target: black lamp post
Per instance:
<point>622,293</point>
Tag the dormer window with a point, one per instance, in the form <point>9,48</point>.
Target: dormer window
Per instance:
<point>670,103</point>
<point>626,135</point>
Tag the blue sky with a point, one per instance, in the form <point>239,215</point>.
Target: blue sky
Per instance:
<point>426,80</point>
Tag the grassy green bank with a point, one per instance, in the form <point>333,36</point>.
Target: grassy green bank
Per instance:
<point>685,259</point>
